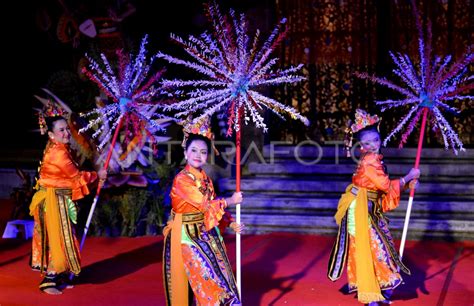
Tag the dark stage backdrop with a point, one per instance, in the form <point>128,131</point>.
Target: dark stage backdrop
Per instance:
<point>333,38</point>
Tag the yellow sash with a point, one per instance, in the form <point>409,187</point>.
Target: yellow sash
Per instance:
<point>368,289</point>
<point>179,279</point>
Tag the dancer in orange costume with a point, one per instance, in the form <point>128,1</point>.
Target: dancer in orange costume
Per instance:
<point>194,253</point>
<point>364,241</point>
<point>55,249</point>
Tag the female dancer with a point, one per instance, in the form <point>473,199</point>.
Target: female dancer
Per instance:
<point>194,251</point>
<point>363,239</point>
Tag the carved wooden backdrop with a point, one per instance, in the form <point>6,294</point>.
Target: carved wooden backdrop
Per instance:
<point>335,38</point>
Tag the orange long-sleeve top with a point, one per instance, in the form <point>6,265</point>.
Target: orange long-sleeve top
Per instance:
<point>59,170</point>
<point>193,191</point>
<point>370,174</point>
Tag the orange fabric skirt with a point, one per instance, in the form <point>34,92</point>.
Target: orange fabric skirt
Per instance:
<point>55,248</point>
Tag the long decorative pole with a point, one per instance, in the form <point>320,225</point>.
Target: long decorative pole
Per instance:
<point>237,207</point>
<point>99,188</point>
<point>412,191</point>
<point>133,109</point>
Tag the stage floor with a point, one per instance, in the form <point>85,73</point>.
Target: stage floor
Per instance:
<point>278,269</point>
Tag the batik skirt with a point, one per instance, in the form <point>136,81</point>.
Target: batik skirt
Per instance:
<point>206,264</point>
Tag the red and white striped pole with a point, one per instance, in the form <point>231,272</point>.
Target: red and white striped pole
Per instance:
<point>412,191</point>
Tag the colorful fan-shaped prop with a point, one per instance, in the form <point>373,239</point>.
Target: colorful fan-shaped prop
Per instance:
<point>234,66</point>
<point>428,88</point>
<point>132,111</point>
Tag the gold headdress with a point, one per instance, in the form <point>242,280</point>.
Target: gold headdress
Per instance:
<point>51,108</point>
<point>362,120</point>
<point>199,127</point>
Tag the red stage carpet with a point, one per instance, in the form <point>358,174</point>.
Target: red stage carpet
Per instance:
<point>278,269</point>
